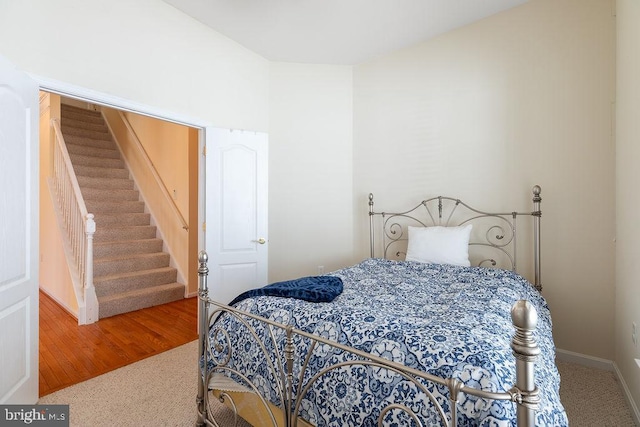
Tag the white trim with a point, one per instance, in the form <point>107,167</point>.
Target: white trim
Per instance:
<point>627,394</point>
<point>61,303</point>
<point>88,95</point>
<point>584,360</point>
<point>606,365</point>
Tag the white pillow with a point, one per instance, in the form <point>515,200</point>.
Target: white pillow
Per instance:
<point>439,245</point>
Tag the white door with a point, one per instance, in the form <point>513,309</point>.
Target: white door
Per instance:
<point>236,238</point>
<point>18,236</point>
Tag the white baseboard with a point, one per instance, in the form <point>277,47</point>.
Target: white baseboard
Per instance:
<point>584,360</point>
<point>627,394</point>
<point>60,303</point>
<point>604,364</point>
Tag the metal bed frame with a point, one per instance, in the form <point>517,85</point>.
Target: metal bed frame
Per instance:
<point>499,239</point>
<point>524,393</point>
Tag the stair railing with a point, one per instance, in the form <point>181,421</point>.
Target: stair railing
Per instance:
<point>79,226</point>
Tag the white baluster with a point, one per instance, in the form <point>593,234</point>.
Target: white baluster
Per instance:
<point>74,213</point>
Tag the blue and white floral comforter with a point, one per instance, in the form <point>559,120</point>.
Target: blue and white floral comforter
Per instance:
<point>446,320</point>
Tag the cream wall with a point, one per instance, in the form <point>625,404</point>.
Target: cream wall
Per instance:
<point>149,53</point>
<point>485,112</point>
<point>310,169</point>
<point>520,98</point>
<point>627,179</point>
<point>144,51</point>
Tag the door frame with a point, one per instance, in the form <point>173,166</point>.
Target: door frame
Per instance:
<point>99,98</point>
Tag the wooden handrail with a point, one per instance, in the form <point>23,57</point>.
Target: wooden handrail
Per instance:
<point>67,162</point>
<point>154,171</point>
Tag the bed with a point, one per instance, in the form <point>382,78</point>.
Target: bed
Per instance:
<point>417,336</point>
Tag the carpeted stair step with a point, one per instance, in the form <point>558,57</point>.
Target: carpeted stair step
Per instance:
<point>106,206</point>
<point>104,183</point>
<point>87,133</point>
<point>142,298</point>
<point>116,233</point>
<point>124,282</point>
<point>82,113</point>
<point>122,219</point>
<point>91,120</point>
<point>94,172</point>
<point>81,123</point>
<point>97,162</point>
<point>123,264</point>
<point>91,193</point>
<point>91,151</point>
<point>126,247</point>
<point>99,143</point>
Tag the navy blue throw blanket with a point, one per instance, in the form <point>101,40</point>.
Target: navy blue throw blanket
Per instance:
<point>313,289</point>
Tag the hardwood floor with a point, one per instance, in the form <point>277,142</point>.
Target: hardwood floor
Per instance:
<point>70,354</point>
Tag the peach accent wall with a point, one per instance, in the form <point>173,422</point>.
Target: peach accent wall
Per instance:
<point>194,193</point>
<point>167,145</point>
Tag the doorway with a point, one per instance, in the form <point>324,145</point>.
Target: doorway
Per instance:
<point>143,192</point>
<point>70,353</point>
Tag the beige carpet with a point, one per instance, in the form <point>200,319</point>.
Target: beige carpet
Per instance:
<point>161,391</point>
<point>158,391</point>
<point>592,397</point>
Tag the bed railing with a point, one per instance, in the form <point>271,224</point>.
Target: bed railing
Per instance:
<point>290,385</point>
<point>494,232</point>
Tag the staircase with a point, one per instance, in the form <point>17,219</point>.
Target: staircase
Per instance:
<point>130,269</point>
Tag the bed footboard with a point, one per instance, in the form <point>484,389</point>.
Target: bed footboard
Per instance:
<point>292,389</point>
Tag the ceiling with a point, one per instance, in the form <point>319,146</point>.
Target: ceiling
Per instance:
<point>343,32</point>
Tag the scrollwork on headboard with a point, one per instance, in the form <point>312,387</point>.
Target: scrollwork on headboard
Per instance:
<point>493,240</point>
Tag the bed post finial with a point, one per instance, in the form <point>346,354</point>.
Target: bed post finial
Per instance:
<point>203,258</point>
<point>526,351</point>
<point>536,192</point>
<point>537,248</point>
<point>203,295</point>
<point>371,235</point>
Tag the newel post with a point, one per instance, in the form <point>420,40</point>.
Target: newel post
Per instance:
<point>90,298</point>
<point>526,351</point>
